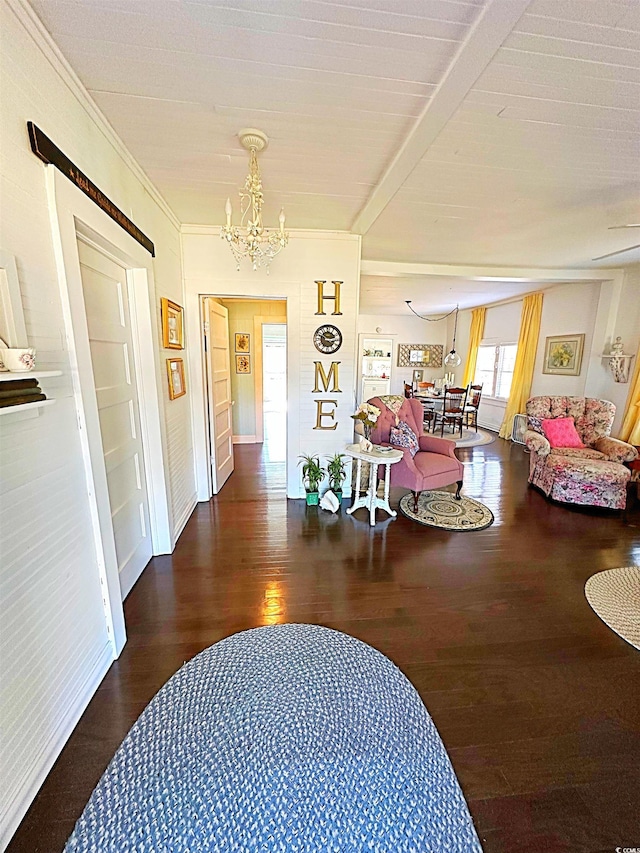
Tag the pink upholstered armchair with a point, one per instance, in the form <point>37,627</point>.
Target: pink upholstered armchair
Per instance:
<point>593,475</point>
<point>434,465</point>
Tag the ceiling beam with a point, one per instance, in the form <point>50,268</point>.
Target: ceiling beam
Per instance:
<point>396,269</point>
<point>495,23</point>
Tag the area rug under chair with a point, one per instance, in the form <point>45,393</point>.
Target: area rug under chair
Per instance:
<point>470,438</point>
<point>615,596</point>
<point>288,738</point>
<point>441,509</point>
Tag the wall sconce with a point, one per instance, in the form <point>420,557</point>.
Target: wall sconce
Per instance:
<point>619,361</point>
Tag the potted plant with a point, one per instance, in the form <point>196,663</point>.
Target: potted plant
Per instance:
<point>337,474</point>
<point>312,475</point>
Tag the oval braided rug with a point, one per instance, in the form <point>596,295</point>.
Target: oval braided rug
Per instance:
<point>441,509</point>
<point>291,738</point>
<point>615,596</point>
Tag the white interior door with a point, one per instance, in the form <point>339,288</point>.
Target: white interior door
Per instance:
<point>104,285</point>
<point>219,382</point>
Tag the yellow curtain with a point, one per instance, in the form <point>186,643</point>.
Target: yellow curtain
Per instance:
<point>525,360</point>
<point>477,331</point>
<point>631,422</point>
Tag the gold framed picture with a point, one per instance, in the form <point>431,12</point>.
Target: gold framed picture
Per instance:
<point>242,342</point>
<point>420,355</point>
<point>175,375</point>
<point>563,355</point>
<point>243,364</point>
<point>172,325</point>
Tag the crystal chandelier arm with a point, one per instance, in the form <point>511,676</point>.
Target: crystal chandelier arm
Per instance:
<point>250,239</point>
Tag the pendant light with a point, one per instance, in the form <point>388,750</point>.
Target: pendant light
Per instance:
<point>452,359</point>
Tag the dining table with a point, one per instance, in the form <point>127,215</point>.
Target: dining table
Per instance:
<point>430,400</point>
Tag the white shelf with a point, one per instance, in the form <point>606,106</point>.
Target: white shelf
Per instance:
<point>27,374</point>
<point>617,355</point>
<point>23,407</point>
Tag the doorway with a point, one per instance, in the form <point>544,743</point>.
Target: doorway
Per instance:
<point>274,391</point>
<point>251,351</point>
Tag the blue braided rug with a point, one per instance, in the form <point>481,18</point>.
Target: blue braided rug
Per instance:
<point>291,738</point>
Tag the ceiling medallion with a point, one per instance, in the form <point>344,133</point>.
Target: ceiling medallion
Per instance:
<point>250,239</point>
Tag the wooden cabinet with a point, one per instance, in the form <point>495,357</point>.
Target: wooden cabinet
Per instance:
<point>375,366</point>
<point>374,388</point>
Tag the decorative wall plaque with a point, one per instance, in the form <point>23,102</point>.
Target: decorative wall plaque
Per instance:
<point>420,355</point>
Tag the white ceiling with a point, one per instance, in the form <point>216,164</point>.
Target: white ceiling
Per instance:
<point>445,131</point>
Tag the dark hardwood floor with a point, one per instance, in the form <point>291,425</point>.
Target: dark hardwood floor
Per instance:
<point>537,701</point>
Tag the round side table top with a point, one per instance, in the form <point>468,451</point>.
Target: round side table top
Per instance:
<point>374,455</point>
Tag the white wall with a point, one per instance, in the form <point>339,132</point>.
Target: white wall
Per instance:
<point>405,330</point>
<point>53,641</point>
<point>209,269</point>
<point>624,320</point>
<point>567,309</point>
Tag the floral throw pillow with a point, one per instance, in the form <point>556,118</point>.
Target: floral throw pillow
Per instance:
<point>534,424</point>
<point>561,432</point>
<point>403,436</point>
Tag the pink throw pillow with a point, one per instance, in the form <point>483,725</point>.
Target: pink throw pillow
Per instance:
<point>561,432</point>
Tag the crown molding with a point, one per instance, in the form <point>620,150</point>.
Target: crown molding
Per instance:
<point>297,233</point>
<point>50,50</point>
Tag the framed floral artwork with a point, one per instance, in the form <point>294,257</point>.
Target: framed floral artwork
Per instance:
<point>243,364</point>
<point>242,342</point>
<point>563,355</point>
<point>175,375</point>
<point>172,326</point>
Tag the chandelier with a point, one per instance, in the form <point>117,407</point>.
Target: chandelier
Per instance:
<point>250,239</point>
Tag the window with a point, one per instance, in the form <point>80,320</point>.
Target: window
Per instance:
<point>494,369</point>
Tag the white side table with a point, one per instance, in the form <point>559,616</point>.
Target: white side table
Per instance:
<point>370,499</point>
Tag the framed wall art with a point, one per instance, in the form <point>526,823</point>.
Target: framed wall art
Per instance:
<point>563,355</point>
<point>420,355</point>
<point>242,342</point>
<point>175,375</point>
<point>417,375</point>
<point>243,364</point>
<point>172,325</point>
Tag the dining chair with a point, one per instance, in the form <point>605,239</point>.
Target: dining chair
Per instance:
<point>473,404</point>
<point>452,414</point>
<point>429,413</point>
<point>408,391</point>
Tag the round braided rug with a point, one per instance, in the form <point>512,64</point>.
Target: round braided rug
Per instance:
<point>441,509</point>
<point>615,597</point>
<point>470,438</point>
<point>289,738</point>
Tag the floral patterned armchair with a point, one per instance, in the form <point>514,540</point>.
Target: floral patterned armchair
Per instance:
<point>593,475</point>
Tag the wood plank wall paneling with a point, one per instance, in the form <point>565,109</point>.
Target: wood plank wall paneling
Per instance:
<point>53,640</point>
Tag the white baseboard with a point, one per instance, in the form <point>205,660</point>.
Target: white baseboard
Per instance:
<point>41,765</point>
<point>182,521</point>
<point>245,439</point>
